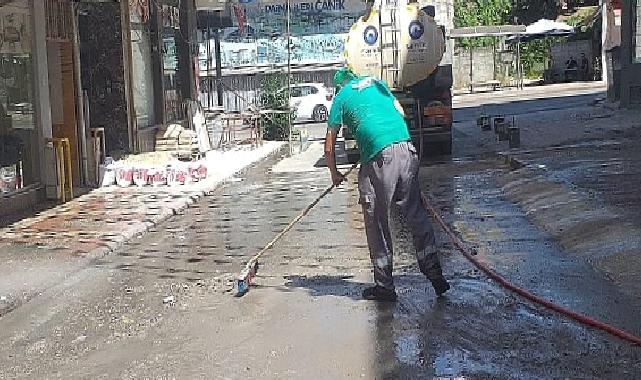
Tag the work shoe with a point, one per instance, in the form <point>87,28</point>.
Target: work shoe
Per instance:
<point>379,293</point>
<point>440,285</point>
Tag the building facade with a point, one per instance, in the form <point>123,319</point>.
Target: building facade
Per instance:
<point>69,67</point>
<point>147,70</point>
<point>631,54</point>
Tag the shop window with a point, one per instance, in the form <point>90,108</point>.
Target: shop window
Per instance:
<point>171,70</point>
<point>142,77</point>
<point>18,135</point>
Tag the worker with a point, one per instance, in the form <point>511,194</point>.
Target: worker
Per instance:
<point>388,174</point>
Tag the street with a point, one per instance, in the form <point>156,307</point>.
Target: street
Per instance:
<point>558,216</point>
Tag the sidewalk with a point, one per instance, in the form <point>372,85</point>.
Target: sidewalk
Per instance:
<point>43,250</point>
<point>549,91</point>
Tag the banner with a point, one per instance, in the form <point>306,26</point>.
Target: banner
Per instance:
<point>318,29</point>
<point>267,19</point>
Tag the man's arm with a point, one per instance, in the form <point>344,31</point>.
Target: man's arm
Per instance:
<point>330,156</point>
<point>389,93</point>
<point>334,122</point>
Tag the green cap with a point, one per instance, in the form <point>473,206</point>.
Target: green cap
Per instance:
<point>343,75</point>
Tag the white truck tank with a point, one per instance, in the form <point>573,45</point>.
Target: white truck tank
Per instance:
<point>396,42</point>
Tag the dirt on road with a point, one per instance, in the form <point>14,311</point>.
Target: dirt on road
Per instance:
<point>163,306</point>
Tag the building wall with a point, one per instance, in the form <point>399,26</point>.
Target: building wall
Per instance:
<point>483,70</point>
<point>631,54</point>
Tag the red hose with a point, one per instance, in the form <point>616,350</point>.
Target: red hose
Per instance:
<point>584,319</point>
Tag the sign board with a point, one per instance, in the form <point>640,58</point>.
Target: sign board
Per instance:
<point>256,19</point>
<point>258,35</point>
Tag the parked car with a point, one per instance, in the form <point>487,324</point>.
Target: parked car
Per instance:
<point>312,101</point>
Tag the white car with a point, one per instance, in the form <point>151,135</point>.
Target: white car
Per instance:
<point>312,101</point>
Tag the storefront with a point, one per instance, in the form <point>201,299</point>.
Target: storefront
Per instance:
<point>161,64</point>
<point>19,135</point>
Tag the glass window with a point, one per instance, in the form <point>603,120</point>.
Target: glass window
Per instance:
<point>306,90</point>
<point>18,134</point>
<point>143,84</point>
<point>171,76</point>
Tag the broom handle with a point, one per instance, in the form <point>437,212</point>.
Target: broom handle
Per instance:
<point>296,219</point>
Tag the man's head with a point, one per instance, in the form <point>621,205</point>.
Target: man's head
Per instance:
<point>343,76</point>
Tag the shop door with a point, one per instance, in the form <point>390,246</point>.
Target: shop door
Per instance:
<point>63,98</point>
<point>62,88</point>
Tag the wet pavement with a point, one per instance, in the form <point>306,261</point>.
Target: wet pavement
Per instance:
<point>162,306</point>
<point>593,204</point>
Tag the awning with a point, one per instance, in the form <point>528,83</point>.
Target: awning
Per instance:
<point>544,28</point>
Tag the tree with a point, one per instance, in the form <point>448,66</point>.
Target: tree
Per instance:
<point>274,97</point>
<point>529,11</point>
<point>481,13</point>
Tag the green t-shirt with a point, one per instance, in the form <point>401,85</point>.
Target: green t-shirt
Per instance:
<point>366,106</point>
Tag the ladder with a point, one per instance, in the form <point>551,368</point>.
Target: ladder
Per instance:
<point>389,42</point>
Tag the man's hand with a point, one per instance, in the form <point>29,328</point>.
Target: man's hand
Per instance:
<point>337,178</point>
<point>330,142</point>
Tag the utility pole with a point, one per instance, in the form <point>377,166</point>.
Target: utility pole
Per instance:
<point>289,76</point>
<point>604,39</point>
<point>219,64</point>
<point>125,25</point>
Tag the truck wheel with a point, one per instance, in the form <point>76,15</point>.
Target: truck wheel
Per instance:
<point>320,113</point>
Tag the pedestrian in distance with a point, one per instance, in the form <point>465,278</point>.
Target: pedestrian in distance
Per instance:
<point>388,175</point>
<point>584,67</point>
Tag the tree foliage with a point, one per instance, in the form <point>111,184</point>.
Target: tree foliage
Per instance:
<point>529,11</point>
<point>501,12</point>
<point>481,13</point>
<point>274,97</point>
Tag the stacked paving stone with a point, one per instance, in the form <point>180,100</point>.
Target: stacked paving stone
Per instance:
<point>183,143</point>
<point>97,222</point>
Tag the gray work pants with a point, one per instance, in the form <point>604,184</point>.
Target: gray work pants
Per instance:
<point>392,176</point>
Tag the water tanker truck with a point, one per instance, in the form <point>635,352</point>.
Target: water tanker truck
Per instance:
<point>403,44</point>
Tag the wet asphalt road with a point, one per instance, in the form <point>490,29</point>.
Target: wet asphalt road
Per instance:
<point>162,308</point>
